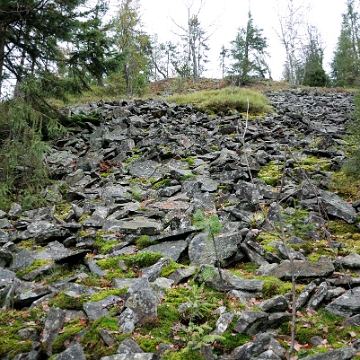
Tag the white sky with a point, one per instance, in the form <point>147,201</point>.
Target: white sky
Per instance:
<point>229,15</point>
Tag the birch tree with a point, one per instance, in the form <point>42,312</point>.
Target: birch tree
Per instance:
<point>291,34</point>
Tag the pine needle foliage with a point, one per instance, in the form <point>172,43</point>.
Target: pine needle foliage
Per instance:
<point>23,173</point>
<point>209,223</point>
<point>212,225</point>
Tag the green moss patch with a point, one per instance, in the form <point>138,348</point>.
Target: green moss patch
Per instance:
<point>133,262</point>
<point>271,173</point>
<point>11,321</point>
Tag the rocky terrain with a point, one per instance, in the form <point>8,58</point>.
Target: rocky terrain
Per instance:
<point>117,268</point>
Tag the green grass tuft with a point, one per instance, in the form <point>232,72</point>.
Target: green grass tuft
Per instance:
<point>225,100</point>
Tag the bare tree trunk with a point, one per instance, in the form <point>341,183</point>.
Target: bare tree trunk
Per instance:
<point>290,36</point>
<point>2,55</point>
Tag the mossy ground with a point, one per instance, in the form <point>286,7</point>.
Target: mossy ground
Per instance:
<point>11,321</point>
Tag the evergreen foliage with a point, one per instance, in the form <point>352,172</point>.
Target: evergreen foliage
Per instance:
<point>135,47</point>
<point>212,225</point>
<point>248,52</point>
<point>22,170</point>
<point>314,73</point>
<point>346,62</point>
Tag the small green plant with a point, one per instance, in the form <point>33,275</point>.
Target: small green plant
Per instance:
<point>297,222</point>
<point>198,336</point>
<point>212,225</point>
<point>197,307</point>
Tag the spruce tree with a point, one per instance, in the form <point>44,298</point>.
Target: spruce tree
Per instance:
<point>346,61</point>
<point>248,51</point>
<point>314,73</point>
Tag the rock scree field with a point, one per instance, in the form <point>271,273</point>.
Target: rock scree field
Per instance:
<point>179,232</point>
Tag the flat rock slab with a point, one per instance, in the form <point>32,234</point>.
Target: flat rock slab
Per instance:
<point>210,275</point>
<point>137,356</point>
<point>303,270</point>
<point>348,304</point>
<point>140,226</point>
<point>173,249</point>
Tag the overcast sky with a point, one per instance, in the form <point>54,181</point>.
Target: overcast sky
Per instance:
<point>224,17</point>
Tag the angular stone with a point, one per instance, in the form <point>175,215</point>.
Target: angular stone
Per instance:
<point>153,272</point>
<point>74,352</point>
<point>107,337</point>
<point>129,346</point>
<point>347,304</point>
<point>332,204</point>
<point>210,275</point>
<point>73,257</point>
<point>261,343</point>
<point>252,322</point>
<point>145,168</point>
<point>351,261</point>
<point>277,303</point>
<point>127,321</point>
<point>27,292</point>
<point>6,258</point>
<point>53,323</point>
<point>182,274</point>
<point>303,270</point>
<point>140,226</point>
<point>318,297</point>
<point>223,322</point>
<point>345,353</point>
<point>23,260</point>
<point>172,249</point>
<point>142,301</point>
<point>15,211</point>
<point>94,310</point>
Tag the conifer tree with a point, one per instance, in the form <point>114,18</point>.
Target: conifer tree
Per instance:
<point>135,46</point>
<point>313,71</point>
<point>30,34</point>
<point>346,61</point>
<point>248,51</point>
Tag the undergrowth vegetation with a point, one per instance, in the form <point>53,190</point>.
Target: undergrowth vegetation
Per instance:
<point>225,101</point>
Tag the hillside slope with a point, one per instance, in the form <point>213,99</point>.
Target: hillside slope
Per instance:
<point>119,268</point>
